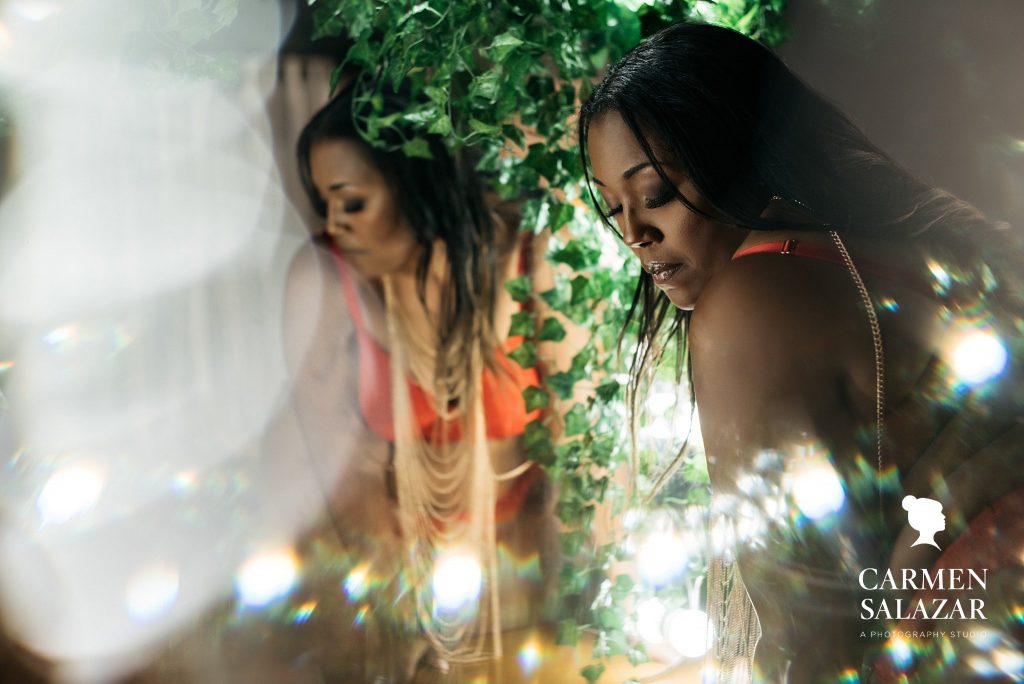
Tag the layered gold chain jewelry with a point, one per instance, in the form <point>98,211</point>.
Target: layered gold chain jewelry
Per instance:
<point>446,493</point>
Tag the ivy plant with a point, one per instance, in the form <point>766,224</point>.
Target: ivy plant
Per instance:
<point>507,77</point>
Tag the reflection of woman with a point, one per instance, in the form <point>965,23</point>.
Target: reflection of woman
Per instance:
<point>407,282</point>
<point>823,293</point>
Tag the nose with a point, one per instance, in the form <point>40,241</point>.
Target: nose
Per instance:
<point>336,223</point>
<point>639,233</point>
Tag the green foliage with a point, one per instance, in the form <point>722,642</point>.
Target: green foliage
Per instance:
<point>507,76</point>
<point>180,35</point>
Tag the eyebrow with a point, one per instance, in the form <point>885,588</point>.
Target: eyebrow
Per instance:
<point>628,173</point>
<point>337,186</point>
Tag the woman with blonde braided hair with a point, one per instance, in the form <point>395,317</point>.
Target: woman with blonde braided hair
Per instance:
<point>398,323</point>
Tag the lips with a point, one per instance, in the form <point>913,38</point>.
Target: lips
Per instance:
<point>662,271</point>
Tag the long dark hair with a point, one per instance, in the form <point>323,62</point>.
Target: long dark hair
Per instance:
<point>440,198</point>
<point>746,130</point>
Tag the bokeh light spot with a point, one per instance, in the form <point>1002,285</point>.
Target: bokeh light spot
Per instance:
<point>900,652</point>
<point>982,666</point>
<point>266,577</point>
<point>61,336</point>
<point>355,584</point>
<point>650,618</point>
<point>304,612</point>
<point>69,492</point>
<point>689,632</point>
<point>529,656</point>
<point>1008,661</point>
<point>849,676</point>
<point>661,556</point>
<point>151,592</point>
<point>457,580</point>
<point>816,488</point>
<point>978,357</point>
<point>941,276</point>
<point>889,304</point>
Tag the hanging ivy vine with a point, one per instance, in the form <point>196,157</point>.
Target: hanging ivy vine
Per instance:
<point>507,77</point>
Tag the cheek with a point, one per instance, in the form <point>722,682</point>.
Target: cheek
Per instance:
<point>377,224</point>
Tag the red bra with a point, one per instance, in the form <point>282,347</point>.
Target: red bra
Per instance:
<point>794,247</point>
<point>504,408</point>
<point>832,255</point>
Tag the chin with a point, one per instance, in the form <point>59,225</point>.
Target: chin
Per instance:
<point>681,299</point>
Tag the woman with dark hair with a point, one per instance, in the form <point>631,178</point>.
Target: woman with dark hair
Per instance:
<point>405,284</point>
<point>852,338</point>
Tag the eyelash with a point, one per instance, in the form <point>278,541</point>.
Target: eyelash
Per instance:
<point>661,200</point>
<point>650,203</point>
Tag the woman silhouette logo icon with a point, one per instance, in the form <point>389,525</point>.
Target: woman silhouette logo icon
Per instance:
<point>925,516</point>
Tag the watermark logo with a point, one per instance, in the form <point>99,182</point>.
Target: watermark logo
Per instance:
<point>926,517</point>
<point>937,593</point>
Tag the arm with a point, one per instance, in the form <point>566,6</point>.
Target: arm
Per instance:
<point>318,333</point>
<point>775,346</point>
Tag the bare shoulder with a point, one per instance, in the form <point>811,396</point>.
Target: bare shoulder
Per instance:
<point>310,269</point>
<point>776,344</point>
<point>792,309</point>
<point>315,314</point>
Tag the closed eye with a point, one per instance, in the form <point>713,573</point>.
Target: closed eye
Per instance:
<point>617,209</point>
<point>661,200</point>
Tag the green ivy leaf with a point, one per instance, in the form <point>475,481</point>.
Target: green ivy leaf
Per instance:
<point>561,216</point>
<point>568,633</point>
<point>581,291</point>
<point>442,125</point>
<point>514,134</point>
<point>503,45</point>
<point>623,586</point>
<point>572,542</point>
<point>417,147</point>
<point>572,581</point>
<point>576,421</point>
<point>537,443</point>
<point>486,87</point>
<point>607,391</point>
<point>535,398</point>
<point>592,672</point>
<point>562,383</point>
<point>437,95</point>
<point>551,330</point>
<point>577,255</point>
<point>522,323</point>
<point>601,451</point>
<point>479,126</point>
<point>525,354</point>
<point>582,359</point>
<point>556,299</point>
<point>608,618</point>
<point>520,288</point>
